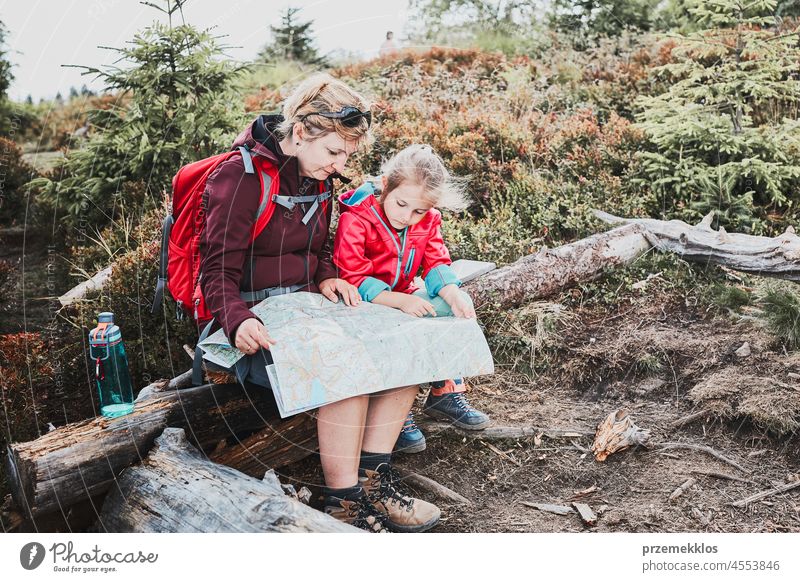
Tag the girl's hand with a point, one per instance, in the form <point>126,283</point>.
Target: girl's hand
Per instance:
<point>462,308</point>
<point>330,287</point>
<point>416,306</point>
<point>251,336</point>
<point>458,304</point>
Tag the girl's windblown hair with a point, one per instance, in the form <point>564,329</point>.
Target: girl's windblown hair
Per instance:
<point>421,165</point>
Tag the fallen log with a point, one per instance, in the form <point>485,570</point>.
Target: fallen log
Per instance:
<point>551,270</point>
<point>80,291</point>
<point>531,277</point>
<point>276,445</point>
<point>176,489</point>
<point>81,460</point>
<point>760,255</point>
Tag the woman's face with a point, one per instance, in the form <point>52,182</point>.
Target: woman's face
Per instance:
<point>325,155</point>
<point>406,205</point>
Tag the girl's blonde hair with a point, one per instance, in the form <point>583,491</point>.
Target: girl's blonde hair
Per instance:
<point>323,93</point>
<point>421,165</point>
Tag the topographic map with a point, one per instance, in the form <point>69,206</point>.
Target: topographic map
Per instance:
<point>327,352</point>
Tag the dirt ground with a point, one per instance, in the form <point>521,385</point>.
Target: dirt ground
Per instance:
<point>647,358</point>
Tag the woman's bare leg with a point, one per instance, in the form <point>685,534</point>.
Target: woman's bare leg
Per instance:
<point>340,427</point>
<point>385,416</point>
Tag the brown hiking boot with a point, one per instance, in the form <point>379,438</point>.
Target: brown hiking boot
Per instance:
<point>405,513</point>
<point>359,513</point>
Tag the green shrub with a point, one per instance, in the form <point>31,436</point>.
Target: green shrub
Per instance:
<point>725,136</point>
<point>780,310</point>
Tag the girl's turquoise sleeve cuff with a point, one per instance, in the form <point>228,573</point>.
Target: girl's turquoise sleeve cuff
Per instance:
<point>438,277</point>
<point>371,287</point>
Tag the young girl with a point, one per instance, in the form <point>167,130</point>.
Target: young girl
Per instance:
<point>381,244</point>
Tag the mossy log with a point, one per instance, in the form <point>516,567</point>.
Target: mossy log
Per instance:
<point>176,489</point>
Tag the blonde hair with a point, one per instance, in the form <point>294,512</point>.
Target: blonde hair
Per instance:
<point>323,93</point>
<point>421,165</point>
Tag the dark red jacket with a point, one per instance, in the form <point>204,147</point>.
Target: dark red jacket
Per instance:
<point>374,257</point>
<point>286,253</point>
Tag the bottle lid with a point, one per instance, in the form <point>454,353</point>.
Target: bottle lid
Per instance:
<point>105,317</point>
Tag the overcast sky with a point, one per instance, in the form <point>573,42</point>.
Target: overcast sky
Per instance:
<point>44,34</point>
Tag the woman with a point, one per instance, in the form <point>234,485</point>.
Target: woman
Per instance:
<point>322,124</point>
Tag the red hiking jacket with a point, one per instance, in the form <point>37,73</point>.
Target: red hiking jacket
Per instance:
<point>374,257</point>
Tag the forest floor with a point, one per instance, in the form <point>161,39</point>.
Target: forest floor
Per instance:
<point>660,360</point>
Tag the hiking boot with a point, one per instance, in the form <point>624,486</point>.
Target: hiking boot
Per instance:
<point>453,407</point>
<point>360,513</point>
<point>411,439</point>
<point>404,513</point>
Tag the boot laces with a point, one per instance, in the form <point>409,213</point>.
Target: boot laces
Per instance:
<point>362,510</point>
<point>390,489</point>
<point>461,401</point>
<point>409,425</point>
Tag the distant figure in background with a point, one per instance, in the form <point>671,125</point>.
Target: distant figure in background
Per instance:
<point>389,47</point>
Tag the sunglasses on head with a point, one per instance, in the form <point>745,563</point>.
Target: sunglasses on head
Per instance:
<point>348,116</point>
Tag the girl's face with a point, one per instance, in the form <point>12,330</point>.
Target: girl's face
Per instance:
<point>323,156</point>
<point>406,205</point>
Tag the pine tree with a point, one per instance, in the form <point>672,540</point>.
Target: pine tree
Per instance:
<point>726,134</point>
<point>179,105</point>
<point>292,40</point>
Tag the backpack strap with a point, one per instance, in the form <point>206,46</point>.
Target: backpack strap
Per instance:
<point>197,363</point>
<point>166,229</point>
<point>268,177</point>
<point>247,158</point>
<point>290,202</point>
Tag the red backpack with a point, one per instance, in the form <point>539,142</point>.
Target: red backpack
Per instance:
<point>179,263</point>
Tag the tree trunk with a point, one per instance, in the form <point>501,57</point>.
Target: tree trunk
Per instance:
<point>82,459</point>
<point>176,489</point>
<point>774,257</point>
<point>551,270</point>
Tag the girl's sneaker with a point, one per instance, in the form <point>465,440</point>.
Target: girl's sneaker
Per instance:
<point>452,406</point>
<point>411,439</point>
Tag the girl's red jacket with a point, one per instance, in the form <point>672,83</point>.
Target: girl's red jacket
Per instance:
<point>374,257</point>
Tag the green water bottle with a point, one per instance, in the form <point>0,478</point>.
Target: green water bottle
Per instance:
<point>111,367</point>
